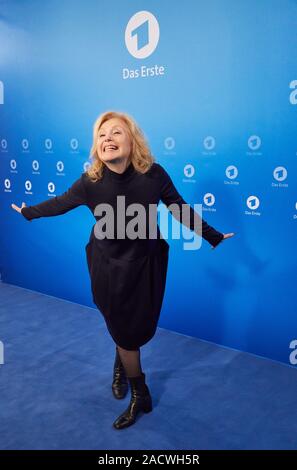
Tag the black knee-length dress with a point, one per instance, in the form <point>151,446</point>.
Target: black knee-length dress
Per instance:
<point>127,275</point>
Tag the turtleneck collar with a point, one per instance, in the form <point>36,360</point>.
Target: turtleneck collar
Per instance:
<point>120,176</point>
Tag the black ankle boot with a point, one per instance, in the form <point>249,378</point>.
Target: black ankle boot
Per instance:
<point>120,382</point>
<point>141,400</point>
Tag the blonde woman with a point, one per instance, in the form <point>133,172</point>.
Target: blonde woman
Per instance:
<point>127,272</point>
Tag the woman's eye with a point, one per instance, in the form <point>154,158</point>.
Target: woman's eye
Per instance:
<point>115,132</point>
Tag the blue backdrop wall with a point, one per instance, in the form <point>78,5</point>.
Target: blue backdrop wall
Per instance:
<point>213,85</point>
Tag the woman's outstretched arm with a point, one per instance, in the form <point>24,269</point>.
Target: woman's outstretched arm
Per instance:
<point>73,197</point>
<point>176,204</point>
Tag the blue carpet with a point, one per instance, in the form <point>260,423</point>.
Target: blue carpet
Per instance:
<point>56,394</point>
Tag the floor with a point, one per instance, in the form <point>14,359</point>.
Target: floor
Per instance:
<point>55,386</point>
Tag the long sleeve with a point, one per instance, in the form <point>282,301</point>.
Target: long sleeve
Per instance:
<point>73,197</point>
<point>170,196</point>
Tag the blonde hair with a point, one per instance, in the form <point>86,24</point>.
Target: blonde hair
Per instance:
<point>141,156</point>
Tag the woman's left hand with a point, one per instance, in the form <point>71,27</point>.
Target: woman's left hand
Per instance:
<point>226,235</point>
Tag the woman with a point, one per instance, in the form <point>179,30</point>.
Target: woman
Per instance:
<point>127,272</point>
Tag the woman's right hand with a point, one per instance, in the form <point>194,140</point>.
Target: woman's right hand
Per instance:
<point>17,208</point>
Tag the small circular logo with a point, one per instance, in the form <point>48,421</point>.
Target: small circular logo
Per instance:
<point>209,199</point>
<point>189,171</point>
<point>4,144</point>
<point>169,143</point>
<point>51,187</point>
<point>86,166</point>
<point>253,202</point>
<point>13,164</point>
<point>7,183</point>
<point>280,173</point>
<point>209,142</point>
<point>231,172</point>
<point>60,166</point>
<point>48,144</point>
<point>35,165</point>
<point>74,144</point>
<point>25,144</point>
<point>28,185</point>
<point>254,142</point>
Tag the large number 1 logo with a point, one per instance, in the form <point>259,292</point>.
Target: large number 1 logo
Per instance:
<point>142,34</point>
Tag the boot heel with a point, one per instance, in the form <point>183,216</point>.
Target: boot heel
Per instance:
<point>147,406</point>
<point>147,410</point>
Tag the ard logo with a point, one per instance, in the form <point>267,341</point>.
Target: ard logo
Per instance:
<point>142,34</point>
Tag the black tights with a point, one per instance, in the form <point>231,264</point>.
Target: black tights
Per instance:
<point>130,361</point>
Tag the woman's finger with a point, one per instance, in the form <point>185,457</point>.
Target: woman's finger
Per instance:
<point>17,208</point>
<point>228,235</point>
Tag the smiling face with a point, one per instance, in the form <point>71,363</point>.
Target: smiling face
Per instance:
<point>114,143</point>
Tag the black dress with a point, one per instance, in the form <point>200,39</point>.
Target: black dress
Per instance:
<point>127,276</point>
